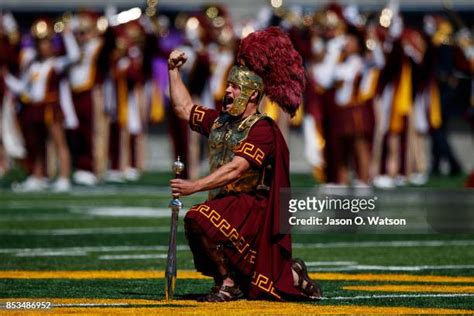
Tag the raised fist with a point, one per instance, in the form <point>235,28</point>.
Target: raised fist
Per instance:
<point>176,59</point>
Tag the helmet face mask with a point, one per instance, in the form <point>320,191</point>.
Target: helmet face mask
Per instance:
<point>248,82</point>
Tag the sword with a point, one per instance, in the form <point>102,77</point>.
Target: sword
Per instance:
<point>176,205</point>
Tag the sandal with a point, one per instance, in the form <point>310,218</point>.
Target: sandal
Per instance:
<point>311,289</point>
<point>223,294</point>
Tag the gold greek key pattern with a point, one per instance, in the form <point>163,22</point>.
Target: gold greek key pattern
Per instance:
<point>259,280</point>
<point>251,151</point>
<point>198,115</point>
<point>250,256</point>
<point>264,283</point>
<point>227,230</point>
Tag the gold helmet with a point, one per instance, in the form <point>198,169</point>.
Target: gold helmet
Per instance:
<point>248,82</point>
<point>268,63</point>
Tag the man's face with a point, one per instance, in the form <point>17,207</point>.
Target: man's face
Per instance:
<point>352,45</point>
<point>45,48</point>
<point>232,92</point>
<point>84,35</point>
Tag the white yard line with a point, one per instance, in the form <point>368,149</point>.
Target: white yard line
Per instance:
<point>61,204</point>
<point>392,268</point>
<point>52,254</point>
<point>99,249</point>
<point>120,201</point>
<point>369,297</point>
<point>45,217</point>
<point>84,213</point>
<point>84,231</point>
<point>104,189</point>
<point>394,243</point>
<point>125,211</point>
<point>126,257</point>
<point>329,263</point>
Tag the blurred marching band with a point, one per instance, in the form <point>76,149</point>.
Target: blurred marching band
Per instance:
<point>79,92</point>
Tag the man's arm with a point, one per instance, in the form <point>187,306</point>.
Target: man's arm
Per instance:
<point>15,85</point>
<point>181,100</point>
<point>73,52</point>
<point>226,174</point>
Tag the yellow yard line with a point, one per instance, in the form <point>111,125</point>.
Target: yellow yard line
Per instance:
<point>143,307</point>
<point>412,288</point>
<point>77,301</point>
<point>187,274</point>
<point>99,274</point>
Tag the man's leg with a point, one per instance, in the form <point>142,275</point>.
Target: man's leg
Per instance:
<point>303,282</point>
<point>202,262</point>
<point>209,258</point>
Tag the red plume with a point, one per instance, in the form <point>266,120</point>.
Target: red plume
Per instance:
<point>271,55</point>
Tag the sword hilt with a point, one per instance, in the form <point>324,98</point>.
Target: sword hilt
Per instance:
<point>178,167</point>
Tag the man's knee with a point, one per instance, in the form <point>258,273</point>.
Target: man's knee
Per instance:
<point>192,227</point>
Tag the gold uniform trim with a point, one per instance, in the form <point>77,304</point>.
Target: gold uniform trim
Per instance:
<point>197,115</point>
<point>227,230</point>
<point>263,282</point>
<point>251,151</point>
<point>90,81</point>
<point>259,280</point>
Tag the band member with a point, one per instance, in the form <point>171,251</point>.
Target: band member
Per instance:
<point>133,93</point>
<point>327,47</point>
<point>41,115</point>
<point>115,100</point>
<point>450,63</point>
<point>352,116</point>
<point>426,106</point>
<point>394,106</point>
<point>84,77</point>
<point>236,236</point>
<point>9,46</point>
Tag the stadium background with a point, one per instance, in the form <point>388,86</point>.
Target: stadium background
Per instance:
<point>413,11</point>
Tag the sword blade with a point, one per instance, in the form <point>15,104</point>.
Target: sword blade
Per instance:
<point>170,273</point>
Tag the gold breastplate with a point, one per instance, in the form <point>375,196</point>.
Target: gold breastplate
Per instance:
<point>223,139</point>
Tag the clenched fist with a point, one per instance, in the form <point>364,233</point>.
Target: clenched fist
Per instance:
<point>177,59</point>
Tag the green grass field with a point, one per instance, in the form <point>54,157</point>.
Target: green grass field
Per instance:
<point>124,228</point>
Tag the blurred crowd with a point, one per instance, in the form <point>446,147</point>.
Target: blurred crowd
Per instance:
<point>79,91</point>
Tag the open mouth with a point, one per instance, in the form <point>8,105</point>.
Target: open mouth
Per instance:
<point>228,101</point>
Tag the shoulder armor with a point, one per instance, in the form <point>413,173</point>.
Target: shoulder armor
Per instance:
<point>250,121</point>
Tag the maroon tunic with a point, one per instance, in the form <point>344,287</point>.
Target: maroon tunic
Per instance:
<point>81,139</point>
<point>248,224</point>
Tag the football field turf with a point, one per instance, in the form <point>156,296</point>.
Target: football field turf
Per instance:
<point>104,251</point>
